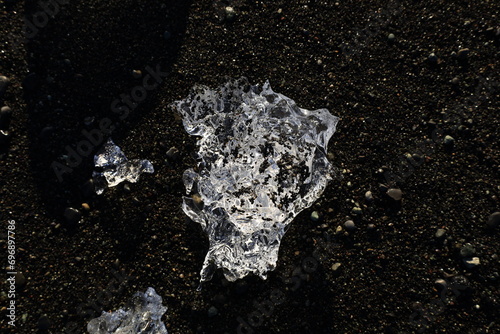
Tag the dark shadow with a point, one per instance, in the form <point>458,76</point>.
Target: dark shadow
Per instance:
<point>85,63</point>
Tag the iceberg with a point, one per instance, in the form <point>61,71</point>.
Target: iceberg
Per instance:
<point>261,161</point>
<point>143,316</point>
<point>116,168</point>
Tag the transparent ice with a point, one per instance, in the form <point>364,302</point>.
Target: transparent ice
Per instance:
<point>143,316</point>
<point>116,168</point>
<point>262,160</point>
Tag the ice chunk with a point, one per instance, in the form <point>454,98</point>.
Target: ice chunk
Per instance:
<point>116,167</point>
<point>143,316</point>
<point>262,161</point>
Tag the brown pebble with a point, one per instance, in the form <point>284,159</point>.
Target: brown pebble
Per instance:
<point>395,194</point>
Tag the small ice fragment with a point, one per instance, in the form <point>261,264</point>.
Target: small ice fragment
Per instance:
<point>143,316</point>
<point>116,168</point>
<point>262,160</point>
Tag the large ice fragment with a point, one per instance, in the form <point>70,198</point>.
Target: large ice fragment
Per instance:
<point>262,160</point>
<point>143,316</point>
<point>116,168</point>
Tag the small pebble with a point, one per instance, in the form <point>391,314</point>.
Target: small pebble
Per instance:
<point>136,74</point>
<point>395,194</point>
<point>371,227</point>
<point>314,216</point>
<point>72,216</point>
<point>336,266</point>
<point>455,81</point>
<point>357,211</point>
<point>441,284</point>
<point>4,138</point>
<point>391,38</point>
<point>85,207</point>
<point>173,153</point>
<point>433,58</point>
<point>440,233</point>
<point>449,140</point>
<point>494,220</point>
<point>467,250</point>
<point>5,115</point>
<point>4,83</point>
<point>463,53</point>
<point>230,13</point>
<point>212,312</point>
<point>349,225</point>
<point>471,262</point>
<point>88,188</point>
<point>368,196</point>
<point>20,280</point>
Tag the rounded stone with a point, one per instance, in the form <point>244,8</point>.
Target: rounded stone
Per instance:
<point>433,58</point>
<point>494,220</point>
<point>173,153</point>
<point>72,216</point>
<point>391,38</point>
<point>441,284</point>
<point>336,266</point>
<point>368,196</point>
<point>357,211</point>
<point>471,262</point>
<point>136,74</point>
<point>467,250</point>
<point>5,115</point>
<point>4,138</point>
<point>88,188</point>
<point>212,312</point>
<point>463,53</point>
<point>314,216</point>
<point>230,13</point>
<point>349,225</point>
<point>4,83</point>
<point>20,280</point>
<point>440,233</point>
<point>448,140</point>
<point>395,194</point>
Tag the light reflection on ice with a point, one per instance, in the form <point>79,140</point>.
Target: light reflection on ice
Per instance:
<point>143,316</point>
<point>116,168</point>
<point>262,161</point>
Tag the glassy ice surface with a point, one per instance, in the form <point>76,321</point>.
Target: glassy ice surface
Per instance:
<point>262,160</point>
<point>143,316</point>
<point>116,168</point>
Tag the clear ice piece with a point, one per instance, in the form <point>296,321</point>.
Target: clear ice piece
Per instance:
<point>143,316</point>
<point>116,168</point>
<point>262,160</point>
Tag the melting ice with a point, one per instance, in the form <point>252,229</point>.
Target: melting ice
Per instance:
<point>262,160</point>
<point>142,317</point>
<point>116,168</point>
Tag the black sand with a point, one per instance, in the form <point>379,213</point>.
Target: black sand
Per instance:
<point>393,97</point>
